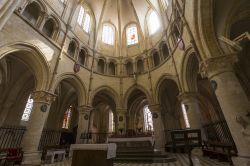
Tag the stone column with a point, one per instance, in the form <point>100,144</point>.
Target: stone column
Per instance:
<point>190,100</point>
<point>233,101</point>
<point>121,120</point>
<point>39,114</point>
<point>7,10</point>
<point>83,122</point>
<point>159,132</point>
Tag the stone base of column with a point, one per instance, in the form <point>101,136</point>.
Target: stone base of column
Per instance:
<point>33,158</point>
<point>241,161</point>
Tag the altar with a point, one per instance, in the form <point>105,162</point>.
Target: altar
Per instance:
<point>132,142</point>
<point>93,154</point>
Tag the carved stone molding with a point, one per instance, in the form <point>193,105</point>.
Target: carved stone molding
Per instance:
<point>85,110</point>
<point>43,97</point>
<point>188,96</point>
<point>217,65</point>
<point>156,108</point>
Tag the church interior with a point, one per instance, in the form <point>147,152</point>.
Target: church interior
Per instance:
<point>163,82</point>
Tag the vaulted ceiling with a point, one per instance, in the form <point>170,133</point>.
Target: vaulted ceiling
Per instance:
<point>122,12</point>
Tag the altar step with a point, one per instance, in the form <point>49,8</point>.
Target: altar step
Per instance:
<point>143,157</point>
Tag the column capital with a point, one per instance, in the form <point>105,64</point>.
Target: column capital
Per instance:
<point>188,96</point>
<point>85,109</point>
<point>217,65</point>
<point>121,110</point>
<point>43,97</point>
<point>155,108</point>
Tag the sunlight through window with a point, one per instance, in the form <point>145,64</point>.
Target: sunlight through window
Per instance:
<point>28,109</point>
<point>108,35</point>
<point>148,120</point>
<point>184,111</point>
<point>153,22</point>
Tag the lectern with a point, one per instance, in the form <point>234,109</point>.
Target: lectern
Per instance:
<point>93,154</point>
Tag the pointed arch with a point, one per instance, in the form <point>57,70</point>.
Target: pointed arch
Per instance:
<point>34,58</point>
<point>76,82</point>
<point>133,88</point>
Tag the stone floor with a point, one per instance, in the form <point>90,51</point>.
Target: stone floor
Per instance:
<point>182,160</point>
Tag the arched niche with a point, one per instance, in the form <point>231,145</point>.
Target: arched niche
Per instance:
<point>72,48</point>
<point>129,68</point>
<point>82,57</point>
<point>49,28</point>
<point>101,66</point>
<point>140,66</point>
<point>111,68</point>
<point>32,12</point>
<point>156,58</point>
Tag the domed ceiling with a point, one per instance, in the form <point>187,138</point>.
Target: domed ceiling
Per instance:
<point>121,13</point>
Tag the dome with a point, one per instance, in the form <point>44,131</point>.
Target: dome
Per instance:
<point>124,28</point>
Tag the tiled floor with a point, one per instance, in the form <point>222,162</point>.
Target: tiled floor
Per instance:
<point>182,160</point>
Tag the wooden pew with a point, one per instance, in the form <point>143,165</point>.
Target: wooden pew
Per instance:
<point>186,140</point>
<point>218,150</point>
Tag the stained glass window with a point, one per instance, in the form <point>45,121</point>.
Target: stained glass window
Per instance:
<point>27,110</point>
<point>86,24</point>
<point>108,35</point>
<point>148,120</point>
<point>66,118</point>
<point>153,23</point>
<point>132,35</point>
<point>80,16</point>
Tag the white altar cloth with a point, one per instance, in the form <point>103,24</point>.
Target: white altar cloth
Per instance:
<point>110,148</point>
<point>113,140</point>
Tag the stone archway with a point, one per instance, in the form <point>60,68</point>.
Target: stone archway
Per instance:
<point>103,118</point>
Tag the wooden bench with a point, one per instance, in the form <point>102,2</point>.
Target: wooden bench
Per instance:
<point>185,140</point>
<point>218,150</point>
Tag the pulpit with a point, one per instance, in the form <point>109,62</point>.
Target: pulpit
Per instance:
<point>93,154</point>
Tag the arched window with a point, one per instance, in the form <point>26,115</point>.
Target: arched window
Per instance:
<point>165,4</point>
<point>108,35</point>
<point>72,48</point>
<point>148,120</point>
<point>111,68</point>
<point>66,118</point>
<point>101,65</point>
<point>156,58</point>
<point>111,122</point>
<point>140,66</point>
<point>165,51</point>
<point>82,57</point>
<point>84,19</point>
<point>49,27</point>
<point>28,109</point>
<point>153,22</point>
<point>129,68</point>
<point>132,35</point>
<point>32,12</point>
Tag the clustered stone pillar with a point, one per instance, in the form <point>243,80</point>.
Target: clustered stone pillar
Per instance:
<point>159,133</point>
<point>190,100</point>
<point>83,123</point>
<point>42,102</point>
<point>233,101</point>
<point>121,121</point>
<point>7,10</point>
